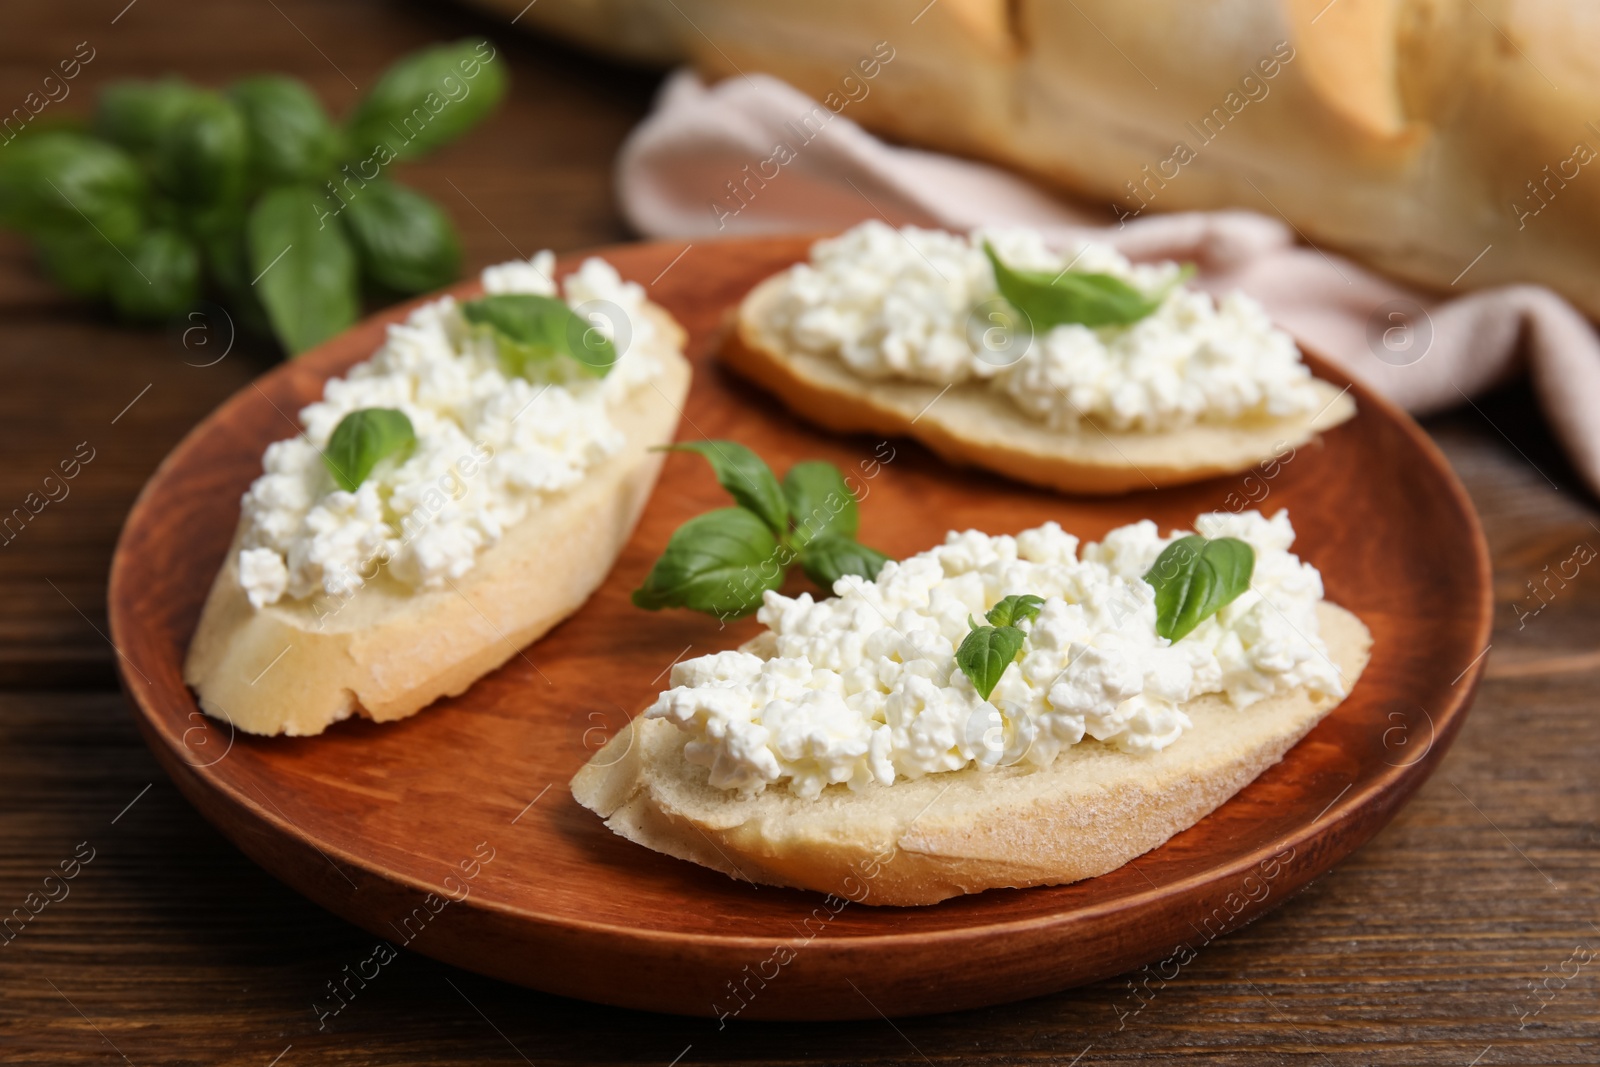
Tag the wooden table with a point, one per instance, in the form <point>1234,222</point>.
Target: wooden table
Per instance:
<point>1452,938</point>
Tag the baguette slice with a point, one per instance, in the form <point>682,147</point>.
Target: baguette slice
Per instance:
<point>921,841</point>
<point>973,425</point>
<point>390,650</point>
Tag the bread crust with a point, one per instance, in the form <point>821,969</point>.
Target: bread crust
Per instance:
<point>1413,134</point>
<point>925,840</point>
<point>296,666</point>
<point>972,425</point>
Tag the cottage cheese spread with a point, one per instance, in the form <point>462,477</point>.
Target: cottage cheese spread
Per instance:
<point>920,305</point>
<point>863,687</point>
<point>489,447</point>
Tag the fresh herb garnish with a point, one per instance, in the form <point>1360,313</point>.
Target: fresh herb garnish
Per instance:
<point>1195,578</point>
<point>747,479</point>
<point>719,563</point>
<point>174,191</point>
<point>540,338</point>
<point>1052,299</point>
<point>1013,609</point>
<point>821,504</point>
<point>827,559</point>
<point>310,296</point>
<point>362,440</point>
<point>987,651</point>
<point>723,562</point>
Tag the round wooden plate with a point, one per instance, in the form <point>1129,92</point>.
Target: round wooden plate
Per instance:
<point>453,833</point>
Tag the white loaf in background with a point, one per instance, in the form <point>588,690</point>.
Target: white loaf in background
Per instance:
<point>1404,132</point>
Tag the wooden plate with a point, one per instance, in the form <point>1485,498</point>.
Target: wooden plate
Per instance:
<point>453,832</point>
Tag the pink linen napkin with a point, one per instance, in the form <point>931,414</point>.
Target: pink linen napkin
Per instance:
<point>706,163</point>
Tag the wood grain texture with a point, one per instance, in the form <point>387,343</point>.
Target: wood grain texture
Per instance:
<point>367,820</point>
<point>1418,949</point>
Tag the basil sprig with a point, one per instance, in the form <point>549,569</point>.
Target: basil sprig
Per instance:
<point>1051,299</point>
<point>1194,578</point>
<point>541,338</point>
<point>724,561</point>
<point>305,272</point>
<point>987,651</point>
<point>253,195</point>
<point>362,440</point>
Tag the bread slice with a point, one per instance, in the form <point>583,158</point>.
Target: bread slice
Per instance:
<point>973,425</point>
<point>920,841</point>
<point>391,650</point>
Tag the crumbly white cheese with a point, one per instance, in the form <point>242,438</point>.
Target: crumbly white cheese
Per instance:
<point>922,305</point>
<point>489,447</point>
<point>863,687</point>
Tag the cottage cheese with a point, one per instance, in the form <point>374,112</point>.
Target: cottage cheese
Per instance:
<point>922,305</point>
<point>489,447</point>
<point>863,687</point>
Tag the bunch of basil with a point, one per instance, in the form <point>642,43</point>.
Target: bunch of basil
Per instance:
<point>253,194</point>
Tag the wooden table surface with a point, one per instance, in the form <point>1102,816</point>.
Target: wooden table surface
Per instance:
<point>1468,932</point>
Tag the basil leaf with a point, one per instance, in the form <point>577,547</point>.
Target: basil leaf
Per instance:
<point>362,440</point>
<point>720,562</point>
<point>541,338</point>
<point>827,559</point>
<point>1013,609</point>
<point>746,478</point>
<point>137,115</point>
<point>820,502</point>
<point>1195,578</point>
<point>201,155</point>
<point>986,653</point>
<point>291,137</point>
<point>68,182</point>
<point>224,250</point>
<point>160,277</point>
<point>428,98</point>
<point>79,260</point>
<point>404,241</point>
<point>303,271</point>
<point>1053,299</point>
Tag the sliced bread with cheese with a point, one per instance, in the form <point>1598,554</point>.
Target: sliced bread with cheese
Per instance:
<point>388,648</point>
<point>923,840</point>
<point>971,424</point>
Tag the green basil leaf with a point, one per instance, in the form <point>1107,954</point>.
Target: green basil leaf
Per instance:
<point>1013,609</point>
<point>541,338</point>
<point>720,563</point>
<point>220,233</point>
<point>986,653</point>
<point>291,137</point>
<point>1053,299</point>
<point>79,260</point>
<point>428,98</point>
<point>302,269</point>
<point>746,478</point>
<point>201,155</point>
<point>362,440</point>
<point>160,277</point>
<point>69,182</point>
<point>827,559</point>
<point>820,502</point>
<point>137,115</point>
<point>403,239</point>
<point>1195,578</point>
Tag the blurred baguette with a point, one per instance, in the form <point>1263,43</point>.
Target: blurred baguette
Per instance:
<point>1417,135</point>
